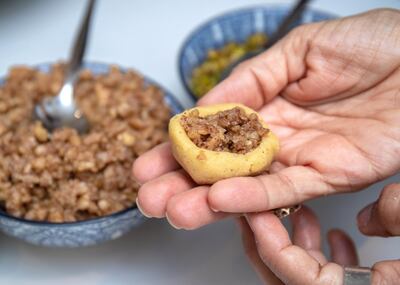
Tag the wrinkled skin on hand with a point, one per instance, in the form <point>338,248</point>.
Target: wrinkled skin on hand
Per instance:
<point>297,260</point>
<point>331,93</point>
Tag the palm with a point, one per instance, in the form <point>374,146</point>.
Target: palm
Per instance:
<point>350,151</point>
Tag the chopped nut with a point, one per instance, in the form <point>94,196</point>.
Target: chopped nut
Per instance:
<point>41,214</point>
<point>3,107</point>
<point>83,203</point>
<point>39,164</point>
<point>75,140</point>
<point>27,168</point>
<point>40,132</point>
<point>102,93</point>
<point>56,217</point>
<point>127,139</point>
<point>103,205</point>
<point>86,165</point>
<point>124,110</point>
<point>3,129</point>
<point>230,130</point>
<point>40,150</point>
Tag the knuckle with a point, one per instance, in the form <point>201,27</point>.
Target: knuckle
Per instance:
<point>330,273</point>
<point>263,187</point>
<point>215,199</point>
<point>290,185</point>
<point>299,35</point>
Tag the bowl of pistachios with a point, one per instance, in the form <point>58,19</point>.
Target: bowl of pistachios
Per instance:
<point>220,41</point>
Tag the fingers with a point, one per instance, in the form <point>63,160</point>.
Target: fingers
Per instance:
<point>250,248</point>
<point>189,210</point>
<point>290,263</point>
<point>154,195</point>
<point>307,233</point>
<point>343,250</point>
<point>154,163</point>
<point>382,218</point>
<point>386,272</point>
<point>172,195</point>
<point>261,78</point>
<point>289,186</point>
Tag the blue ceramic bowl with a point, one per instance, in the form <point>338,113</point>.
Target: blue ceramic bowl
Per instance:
<point>234,26</point>
<point>84,233</point>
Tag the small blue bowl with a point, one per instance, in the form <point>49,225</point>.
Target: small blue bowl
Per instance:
<point>235,26</point>
<point>83,233</point>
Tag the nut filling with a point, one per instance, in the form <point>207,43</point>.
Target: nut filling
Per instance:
<point>65,177</point>
<point>230,130</point>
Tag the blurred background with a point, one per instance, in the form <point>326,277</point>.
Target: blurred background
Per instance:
<point>147,35</point>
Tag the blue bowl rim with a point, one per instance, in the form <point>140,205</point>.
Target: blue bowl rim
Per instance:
<point>228,13</point>
<point>87,64</point>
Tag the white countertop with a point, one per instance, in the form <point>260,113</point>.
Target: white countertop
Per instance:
<point>147,35</point>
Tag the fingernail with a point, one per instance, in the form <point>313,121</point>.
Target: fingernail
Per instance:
<point>140,209</point>
<point>214,210</point>
<point>171,223</point>
<point>364,217</point>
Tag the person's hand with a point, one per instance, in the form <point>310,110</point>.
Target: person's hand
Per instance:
<point>330,91</point>
<point>280,260</point>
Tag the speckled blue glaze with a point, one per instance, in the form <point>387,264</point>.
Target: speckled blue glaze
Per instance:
<point>83,233</point>
<point>234,26</point>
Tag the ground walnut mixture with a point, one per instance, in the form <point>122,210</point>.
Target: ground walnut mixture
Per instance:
<point>230,130</point>
<point>65,177</point>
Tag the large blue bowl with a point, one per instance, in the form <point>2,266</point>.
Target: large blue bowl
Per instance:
<point>84,233</point>
<point>234,26</point>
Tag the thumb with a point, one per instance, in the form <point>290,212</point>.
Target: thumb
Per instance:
<point>382,218</point>
<point>261,78</point>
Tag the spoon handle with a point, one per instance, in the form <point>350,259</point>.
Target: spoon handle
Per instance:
<point>79,46</point>
<point>285,26</point>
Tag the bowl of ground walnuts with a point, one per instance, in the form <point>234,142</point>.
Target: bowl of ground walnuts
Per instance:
<point>64,189</point>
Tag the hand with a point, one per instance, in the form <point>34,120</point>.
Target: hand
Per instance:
<point>278,260</point>
<point>330,91</point>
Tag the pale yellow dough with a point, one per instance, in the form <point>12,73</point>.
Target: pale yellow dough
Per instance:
<point>206,166</point>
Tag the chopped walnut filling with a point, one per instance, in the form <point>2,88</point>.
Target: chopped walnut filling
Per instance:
<point>65,177</point>
<point>230,130</point>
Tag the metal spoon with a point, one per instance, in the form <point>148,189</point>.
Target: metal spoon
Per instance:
<point>61,110</point>
<point>283,29</point>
